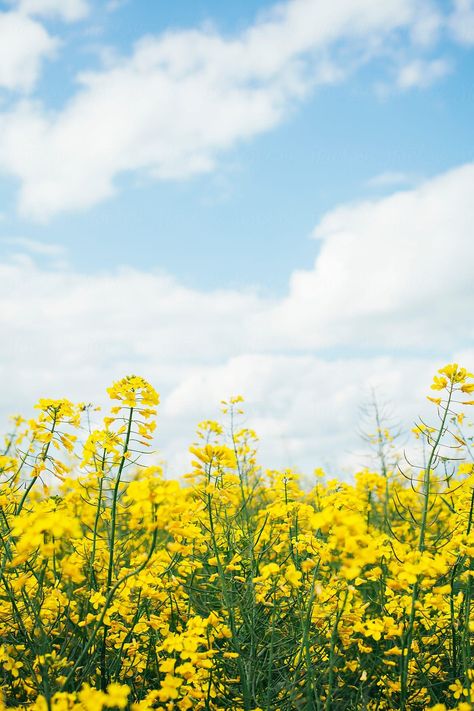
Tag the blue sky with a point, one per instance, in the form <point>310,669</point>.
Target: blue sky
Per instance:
<point>112,159</point>
<point>270,190</point>
<point>266,192</point>
<point>255,214</point>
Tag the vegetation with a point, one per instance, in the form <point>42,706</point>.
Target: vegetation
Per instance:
<point>235,589</point>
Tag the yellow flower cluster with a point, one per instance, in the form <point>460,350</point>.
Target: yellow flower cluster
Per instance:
<point>234,588</point>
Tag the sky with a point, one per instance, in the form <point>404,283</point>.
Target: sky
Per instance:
<point>274,200</point>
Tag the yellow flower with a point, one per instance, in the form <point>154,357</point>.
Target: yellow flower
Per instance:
<point>117,695</point>
<point>457,689</point>
<point>454,373</point>
<point>269,570</point>
<point>169,687</point>
<point>439,383</point>
<point>134,391</point>
<point>293,576</point>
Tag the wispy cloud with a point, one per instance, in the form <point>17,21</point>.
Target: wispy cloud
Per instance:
<point>461,22</point>
<point>392,179</point>
<point>423,73</point>
<point>33,246</point>
<point>68,10</point>
<point>113,5</point>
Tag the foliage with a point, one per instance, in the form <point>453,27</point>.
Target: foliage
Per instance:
<point>235,589</point>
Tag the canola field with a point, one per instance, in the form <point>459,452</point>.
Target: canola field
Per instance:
<point>234,588</point>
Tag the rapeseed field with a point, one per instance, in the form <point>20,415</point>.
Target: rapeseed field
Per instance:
<point>234,588</point>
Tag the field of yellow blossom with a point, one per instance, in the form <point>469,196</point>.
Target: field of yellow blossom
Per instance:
<point>234,588</point>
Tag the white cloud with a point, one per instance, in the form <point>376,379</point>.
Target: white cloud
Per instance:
<point>461,22</point>
<point>68,10</point>
<point>305,408</point>
<point>389,270</point>
<point>422,73</point>
<point>182,98</point>
<point>392,275</point>
<point>24,44</point>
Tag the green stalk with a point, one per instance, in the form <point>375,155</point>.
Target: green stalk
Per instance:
<point>427,477</point>
<point>408,637</point>
<point>96,525</point>
<point>332,649</point>
<point>43,459</point>
<point>107,602</point>
<point>113,527</point>
<point>220,569</point>
<point>113,523</point>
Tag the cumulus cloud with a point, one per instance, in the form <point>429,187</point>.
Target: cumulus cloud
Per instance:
<point>389,270</point>
<point>24,44</point>
<point>182,98</point>
<point>392,276</point>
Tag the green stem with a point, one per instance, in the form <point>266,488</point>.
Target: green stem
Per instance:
<point>332,650</point>
<point>107,602</point>
<point>113,523</point>
<point>408,637</point>
<point>43,459</point>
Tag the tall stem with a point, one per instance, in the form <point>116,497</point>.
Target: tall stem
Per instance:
<point>113,527</point>
<point>409,633</point>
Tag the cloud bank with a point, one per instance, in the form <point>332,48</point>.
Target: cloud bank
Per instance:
<point>388,300</point>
